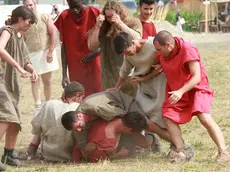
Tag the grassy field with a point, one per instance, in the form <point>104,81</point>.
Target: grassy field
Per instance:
<point>217,63</point>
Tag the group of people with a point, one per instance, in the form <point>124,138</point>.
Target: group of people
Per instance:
<point>120,78</point>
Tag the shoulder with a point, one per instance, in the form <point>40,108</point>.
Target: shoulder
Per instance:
<point>134,22</point>
<point>94,10</point>
<point>64,13</point>
<point>45,17</point>
<point>6,28</point>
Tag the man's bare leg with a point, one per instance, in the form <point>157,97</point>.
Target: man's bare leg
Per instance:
<point>176,136</point>
<point>36,91</point>
<point>46,79</point>
<point>216,135</point>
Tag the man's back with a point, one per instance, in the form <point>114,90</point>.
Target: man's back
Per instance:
<point>106,105</point>
<point>56,141</point>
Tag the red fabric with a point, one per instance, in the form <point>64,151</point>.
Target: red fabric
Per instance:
<point>177,73</point>
<point>73,32</point>
<point>148,29</point>
<point>96,134</point>
<point>76,154</point>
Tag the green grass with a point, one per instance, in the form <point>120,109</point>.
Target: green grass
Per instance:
<point>217,63</point>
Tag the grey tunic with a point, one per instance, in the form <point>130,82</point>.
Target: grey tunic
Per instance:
<point>109,105</point>
<point>111,62</point>
<point>151,93</point>
<point>10,87</point>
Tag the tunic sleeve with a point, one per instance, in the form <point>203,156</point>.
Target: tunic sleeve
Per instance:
<point>45,17</point>
<point>59,25</point>
<point>126,68</point>
<point>191,54</point>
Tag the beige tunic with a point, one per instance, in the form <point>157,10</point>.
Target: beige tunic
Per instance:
<point>151,93</point>
<point>37,37</point>
<point>111,62</point>
<point>10,87</point>
<point>56,142</point>
<point>109,105</point>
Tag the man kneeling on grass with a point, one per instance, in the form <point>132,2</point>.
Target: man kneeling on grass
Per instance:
<point>56,142</point>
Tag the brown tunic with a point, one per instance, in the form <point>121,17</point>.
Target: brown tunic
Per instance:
<point>10,87</point>
<point>109,105</point>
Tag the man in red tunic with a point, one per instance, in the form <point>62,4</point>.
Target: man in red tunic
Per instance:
<point>103,138</point>
<point>187,92</point>
<point>146,11</point>
<point>73,25</point>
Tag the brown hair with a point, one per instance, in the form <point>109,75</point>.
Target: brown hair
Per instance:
<point>24,13</point>
<point>109,29</point>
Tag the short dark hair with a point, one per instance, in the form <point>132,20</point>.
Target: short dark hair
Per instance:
<point>23,12</point>
<point>68,119</point>
<point>149,2</point>
<point>135,121</point>
<point>163,37</point>
<point>122,41</point>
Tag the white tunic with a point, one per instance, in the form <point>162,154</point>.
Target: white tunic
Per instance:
<point>56,142</point>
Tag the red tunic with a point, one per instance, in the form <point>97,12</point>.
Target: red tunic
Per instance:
<point>177,73</point>
<point>73,32</point>
<point>148,29</point>
<point>104,146</point>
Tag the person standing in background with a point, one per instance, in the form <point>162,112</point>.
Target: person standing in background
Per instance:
<point>73,25</point>
<point>41,41</point>
<point>146,11</point>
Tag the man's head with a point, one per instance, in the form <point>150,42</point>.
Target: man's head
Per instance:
<point>31,4</point>
<point>73,120</point>
<point>75,6</point>
<point>74,92</point>
<point>164,43</point>
<point>135,121</point>
<point>124,44</point>
<point>146,8</point>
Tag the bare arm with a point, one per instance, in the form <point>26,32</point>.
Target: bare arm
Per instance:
<point>130,31</point>
<point>125,70</point>
<point>194,68</point>
<point>65,79</point>
<point>53,37</point>
<point>119,83</point>
<point>93,39</point>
